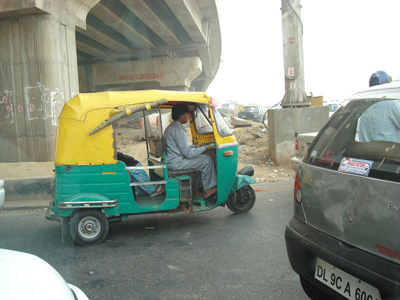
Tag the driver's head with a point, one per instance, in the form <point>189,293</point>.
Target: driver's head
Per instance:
<point>179,110</point>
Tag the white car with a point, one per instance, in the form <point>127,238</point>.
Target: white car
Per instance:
<point>333,106</point>
<point>28,277</point>
<point>2,193</point>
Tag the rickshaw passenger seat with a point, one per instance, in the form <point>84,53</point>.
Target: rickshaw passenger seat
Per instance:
<point>156,146</point>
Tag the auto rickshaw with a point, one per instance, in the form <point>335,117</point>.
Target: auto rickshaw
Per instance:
<point>92,188</point>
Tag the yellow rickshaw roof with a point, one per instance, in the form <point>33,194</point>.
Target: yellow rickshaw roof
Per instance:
<point>77,107</point>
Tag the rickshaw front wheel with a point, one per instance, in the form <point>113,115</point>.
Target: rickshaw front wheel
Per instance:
<point>88,227</point>
<point>242,200</point>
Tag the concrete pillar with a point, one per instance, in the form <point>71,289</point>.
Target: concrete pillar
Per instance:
<point>292,36</point>
<point>284,124</point>
<point>297,116</point>
<point>38,73</point>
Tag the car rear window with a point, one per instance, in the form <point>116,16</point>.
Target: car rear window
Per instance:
<point>363,138</point>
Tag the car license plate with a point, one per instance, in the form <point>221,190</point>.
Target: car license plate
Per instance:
<point>343,283</point>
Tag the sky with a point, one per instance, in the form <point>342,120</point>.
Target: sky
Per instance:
<point>344,42</point>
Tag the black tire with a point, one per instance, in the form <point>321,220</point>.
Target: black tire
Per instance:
<point>242,201</point>
<point>229,201</point>
<point>88,227</point>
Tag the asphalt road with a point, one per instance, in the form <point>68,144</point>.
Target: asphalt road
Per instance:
<point>209,255</point>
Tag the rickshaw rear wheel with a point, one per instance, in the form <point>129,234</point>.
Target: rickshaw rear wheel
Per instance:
<point>242,200</point>
<point>88,227</point>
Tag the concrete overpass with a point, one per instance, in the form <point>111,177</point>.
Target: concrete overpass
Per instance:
<point>51,50</point>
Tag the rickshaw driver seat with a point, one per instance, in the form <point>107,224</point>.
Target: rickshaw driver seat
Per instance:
<point>156,149</point>
<point>192,173</point>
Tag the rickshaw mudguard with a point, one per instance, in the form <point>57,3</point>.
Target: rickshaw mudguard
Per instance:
<point>241,181</point>
<point>87,201</point>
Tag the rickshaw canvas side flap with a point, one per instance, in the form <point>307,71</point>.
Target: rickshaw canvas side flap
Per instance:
<point>84,112</point>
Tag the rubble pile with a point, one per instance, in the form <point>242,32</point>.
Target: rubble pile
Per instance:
<point>253,144</point>
<point>253,150</point>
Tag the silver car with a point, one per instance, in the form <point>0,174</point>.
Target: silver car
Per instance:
<point>344,237</point>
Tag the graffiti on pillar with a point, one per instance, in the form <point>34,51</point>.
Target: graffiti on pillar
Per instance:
<point>57,102</point>
<point>291,40</point>
<point>6,107</point>
<point>39,103</point>
<point>42,103</point>
<point>35,105</point>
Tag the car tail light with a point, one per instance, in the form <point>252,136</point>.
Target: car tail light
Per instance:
<point>297,189</point>
<point>296,146</point>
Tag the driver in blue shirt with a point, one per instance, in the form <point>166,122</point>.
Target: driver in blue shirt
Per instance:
<point>381,121</point>
<point>179,155</point>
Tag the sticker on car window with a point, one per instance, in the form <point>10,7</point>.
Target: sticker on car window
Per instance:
<point>355,166</point>
<point>327,157</point>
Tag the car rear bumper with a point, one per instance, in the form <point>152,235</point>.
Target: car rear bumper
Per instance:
<point>304,244</point>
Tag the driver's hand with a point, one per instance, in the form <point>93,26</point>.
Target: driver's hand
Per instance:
<point>210,147</point>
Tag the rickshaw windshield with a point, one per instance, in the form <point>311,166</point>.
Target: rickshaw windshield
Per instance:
<point>222,128</point>
<point>202,122</point>
<point>203,125</point>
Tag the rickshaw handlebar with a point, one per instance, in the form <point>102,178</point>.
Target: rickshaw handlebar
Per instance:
<point>127,112</point>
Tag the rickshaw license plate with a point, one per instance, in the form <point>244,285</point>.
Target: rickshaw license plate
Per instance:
<point>345,284</point>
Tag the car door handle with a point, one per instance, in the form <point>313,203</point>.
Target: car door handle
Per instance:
<point>228,153</point>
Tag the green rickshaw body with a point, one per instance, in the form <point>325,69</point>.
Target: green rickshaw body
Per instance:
<point>92,187</point>
<point>95,185</point>
<point>230,182</point>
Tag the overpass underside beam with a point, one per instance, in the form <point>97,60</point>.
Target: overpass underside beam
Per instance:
<point>168,73</point>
